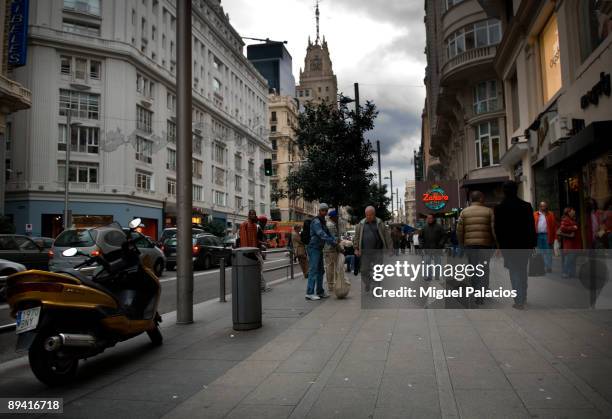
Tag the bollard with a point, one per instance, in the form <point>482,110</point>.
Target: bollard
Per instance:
<point>222,280</point>
<point>291,262</point>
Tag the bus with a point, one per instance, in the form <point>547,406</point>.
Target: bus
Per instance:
<point>278,233</point>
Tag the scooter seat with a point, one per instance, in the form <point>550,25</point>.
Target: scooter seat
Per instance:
<point>88,281</point>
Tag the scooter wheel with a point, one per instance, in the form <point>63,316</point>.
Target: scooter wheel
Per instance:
<point>155,335</point>
<point>47,366</point>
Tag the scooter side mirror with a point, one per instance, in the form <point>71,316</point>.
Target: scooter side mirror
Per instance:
<point>70,252</point>
<point>135,223</point>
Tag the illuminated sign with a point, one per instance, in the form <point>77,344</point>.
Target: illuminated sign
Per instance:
<point>18,33</point>
<point>435,199</point>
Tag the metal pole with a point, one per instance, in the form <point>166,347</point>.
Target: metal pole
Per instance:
<point>184,266</point>
<point>357,111</point>
<point>222,280</point>
<point>379,171</point>
<point>399,214</point>
<point>391,179</point>
<point>67,170</point>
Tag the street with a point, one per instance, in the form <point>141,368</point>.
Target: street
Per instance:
<point>206,287</point>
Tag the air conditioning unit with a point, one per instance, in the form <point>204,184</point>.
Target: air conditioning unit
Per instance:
<point>557,129</point>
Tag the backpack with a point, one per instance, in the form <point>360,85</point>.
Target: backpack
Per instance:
<point>305,233</point>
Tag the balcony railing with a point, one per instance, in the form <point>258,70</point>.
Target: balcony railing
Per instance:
<point>469,57</point>
<point>21,97</point>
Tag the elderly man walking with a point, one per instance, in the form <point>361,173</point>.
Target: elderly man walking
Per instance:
<point>371,240</point>
<point>319,236</point>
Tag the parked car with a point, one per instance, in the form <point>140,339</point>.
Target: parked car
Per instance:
<point>206,251</point>
<point>7,268</point>
<point>44,242</point>
<point>103,239</point>
<point>230,240</point>
<point>170,233</point>
<point>23,250</point>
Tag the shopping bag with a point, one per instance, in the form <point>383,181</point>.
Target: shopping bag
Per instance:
<point>343,285</point>
<point>536,265</point>
<point>557,248</point>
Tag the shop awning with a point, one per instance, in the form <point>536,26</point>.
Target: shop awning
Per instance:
<point>484,181</point>
<point>514,155</point>
<point>592,140</point>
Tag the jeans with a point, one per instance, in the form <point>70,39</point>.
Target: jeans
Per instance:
<point>315,270</point>
<point>516,261</point>
<point>569,264</point>
<point>479,255</point>
<point>350,262</point>
<point>431,257</point>
<point>545,250</point>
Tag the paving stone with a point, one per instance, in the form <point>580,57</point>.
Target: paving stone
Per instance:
<point>490,403</point>
<point>405,391</point>
<point>214,401</point>
<point>527,361</point>
<point>106,408</point>
<point>566,414</point>
<point>474,375</point>
<point>335,402</point>
<point>276,350</point>
<point>368,351</point>
<point>248,373</point>
<point>410,363</point>
<point>281,389</point>
<point>259,412</point>
<point>539,390</point>
<point>414,412</point>
<point>306,361</point>
<point>357,374</point>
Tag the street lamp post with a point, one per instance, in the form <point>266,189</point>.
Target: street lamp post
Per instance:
<point>69,125</point>
<point>390,177</point>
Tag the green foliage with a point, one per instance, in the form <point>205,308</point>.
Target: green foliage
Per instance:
<point>6,226</point>
<point>378,198</point>
<point>337,157</point>
<point>216,227</point>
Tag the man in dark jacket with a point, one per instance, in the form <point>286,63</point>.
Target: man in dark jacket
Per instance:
<point>516,236</point>
<point>432,239</point>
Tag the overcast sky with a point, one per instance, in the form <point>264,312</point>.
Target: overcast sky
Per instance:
<point>378,43</point>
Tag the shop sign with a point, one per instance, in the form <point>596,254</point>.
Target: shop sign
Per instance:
<point>434,197</point>
<point>601,88</point>
<point>18,32</point>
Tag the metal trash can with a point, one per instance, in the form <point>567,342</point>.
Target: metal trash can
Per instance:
<point>246,293</point>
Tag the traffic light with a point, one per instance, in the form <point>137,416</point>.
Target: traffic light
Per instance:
<point>268,167</point>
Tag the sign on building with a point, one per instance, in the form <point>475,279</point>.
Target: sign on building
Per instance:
<point>434,197</point>
<point>18,33</point>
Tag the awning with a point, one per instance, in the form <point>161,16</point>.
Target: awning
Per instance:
<point>484,181</point>
<point>592,140</point>
<point>514,155</point>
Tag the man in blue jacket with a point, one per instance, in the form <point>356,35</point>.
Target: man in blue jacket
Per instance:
<point>319,235</point>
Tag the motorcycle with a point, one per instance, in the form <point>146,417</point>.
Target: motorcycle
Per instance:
<point>66,316</point>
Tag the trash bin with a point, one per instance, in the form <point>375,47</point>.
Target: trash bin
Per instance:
<point>246,294</point>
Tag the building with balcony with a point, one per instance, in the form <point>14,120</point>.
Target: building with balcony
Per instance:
<point>111,65</point>
<point>464,116</point>
<point>555,61</point>
<point>13,96</point>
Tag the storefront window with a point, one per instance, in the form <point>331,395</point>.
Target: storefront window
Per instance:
<point>595,22</point>
<point>550,56</point>
<point>597,178</point>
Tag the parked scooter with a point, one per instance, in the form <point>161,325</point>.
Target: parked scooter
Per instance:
<point>66,316</point>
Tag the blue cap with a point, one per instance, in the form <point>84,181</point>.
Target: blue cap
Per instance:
<point>332,213</point>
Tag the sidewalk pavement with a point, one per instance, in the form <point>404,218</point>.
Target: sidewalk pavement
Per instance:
<point>330,358</point>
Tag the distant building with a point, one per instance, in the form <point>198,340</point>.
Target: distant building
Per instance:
<point>410,202</point>
<point>317,79</point>
<point>274,63</point>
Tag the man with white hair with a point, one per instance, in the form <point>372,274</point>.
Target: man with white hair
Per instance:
<point>371,239</point>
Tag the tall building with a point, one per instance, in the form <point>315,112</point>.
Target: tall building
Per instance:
<point>465,116</point>
<point>274,62</point>
<point>112,65</point>
<point>317,79</point>
<point>555,62</point>
<point>410,202</point>
<point>13,96</point>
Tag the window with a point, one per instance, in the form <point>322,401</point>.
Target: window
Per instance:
<point>273,128</point>
<point>479,34</point>
<point>451,3</point>
<point>144,86</point>
<point>514,97</point>
<point>144,119</point>
<point>273,117</point>
<point>91,7</point>
<point>487,144</point>
<point>218,176</point>
<point>143,27</point>
<point>81,28</point>
<point>171,159</point>
<point>80,69</point>
<point>262,191</point>
<point>251,147</point>
<point>238,203</point>
<point>216,84</point>
<point>251,168</point>
<point>238,182</point>
<point>550,56</point>
<point>218,153</point>
<point>144,181</point>
<point>196,193</point>
<point>8,136</point>
<point>144,150</point>
<point>83,139</point>
<point>196,144</point>
<point>65,65</point>
<point>251,204</point>
<point>274,145</point>
<point>153,32</point>
<point>251,188</point>
<point>238,162</point>
<point>217,64</point>
<point>171,134</point>
<point>81,104</point>
<point>262,208</point>
<point>485,97</point>
<point>196,168</point>
<point>171,102</point>
<point>171,187</point>
<point>84,68</point>
<point>274,156</point>
<point>595,24</point>
<point>219,198</point>
<point>94,69</point>
<point>80,172</point>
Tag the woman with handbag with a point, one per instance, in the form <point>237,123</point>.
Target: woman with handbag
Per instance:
<point>569,232</point>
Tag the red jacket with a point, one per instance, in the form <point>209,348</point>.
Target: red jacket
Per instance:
<point>569,226</point>
<point>551,225</point>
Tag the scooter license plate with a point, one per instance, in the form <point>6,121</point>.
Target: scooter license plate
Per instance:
<point>27,319</point>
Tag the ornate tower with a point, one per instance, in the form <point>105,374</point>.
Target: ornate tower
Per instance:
<point>317,79</point>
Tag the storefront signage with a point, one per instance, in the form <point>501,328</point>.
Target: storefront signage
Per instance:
<point>601,88</point>
<point>18,33</point>
<point>435,197</point>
